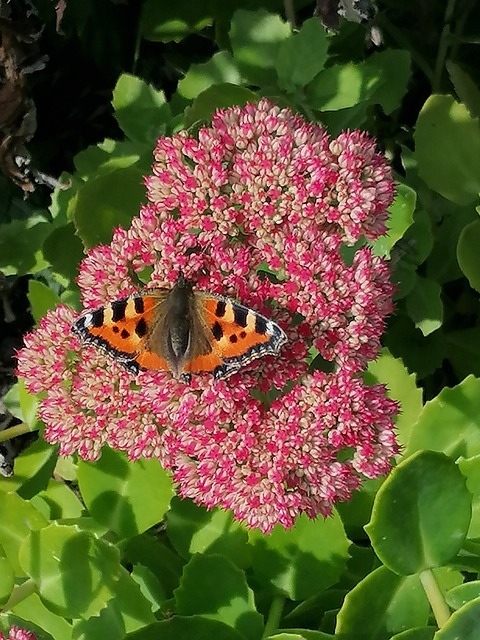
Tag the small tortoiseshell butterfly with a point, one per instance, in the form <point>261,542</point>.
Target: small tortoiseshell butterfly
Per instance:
<point>182,331</point>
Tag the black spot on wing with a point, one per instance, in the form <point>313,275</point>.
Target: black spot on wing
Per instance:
<point>98,318</point>
<point>217,331</point>
<point>233,339</point>
<point>221,308</point>
<point>124,334</point>
<point>260,325</point>
<point>118,310</point>
<point>138,304</point>
<point>141,328</point>
<point>240,315</point>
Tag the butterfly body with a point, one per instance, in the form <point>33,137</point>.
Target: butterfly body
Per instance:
<point>182,331</point>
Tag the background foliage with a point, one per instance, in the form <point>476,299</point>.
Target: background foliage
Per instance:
<point>90,549</point>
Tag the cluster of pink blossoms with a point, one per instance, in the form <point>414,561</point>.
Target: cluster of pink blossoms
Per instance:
<point>259,192</point>
<point>18,634</point>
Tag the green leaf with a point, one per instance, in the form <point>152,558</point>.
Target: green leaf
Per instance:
<point>186,628</point>
<point>111,155</point>
<point>447,143</point>
<point>424,305</point>
<point>381,605</point>
<point>338,87</point>
<point>390,72</point>
<point>470,468</point>
<point>128,497</point>
<point>402,387</point>
<point>464,623</point>
<point>425,633</point>
<point>233,603</point>
<point>158,558</point>
<point>421,514</point>
<point>34,467</point>
<point>463,593</point>
<point>126,611</point>
<point>304,560</point>
<point>468,255</point>
<point>449,422</point>
<point>33,610</point>
<point>75,573</point>
<point>465,87</point>
<point>7,580</point>
<point>106,202</point>
<point>41,299</point>
<point>401,218</point>
<point>164,22</point>
<point>219,69</point>
<point>58,501</point>
<point>256,37</point>
<point>19,517</point>
<point>420,354</point>
<point>302,56</point>
<point>217,97</point>
<point>21,245</point>
<point>141,111</point>
<point>192,529</point>
<point>463,351</point>
<point>64,250</point>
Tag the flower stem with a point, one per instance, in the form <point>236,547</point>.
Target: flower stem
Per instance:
<point>19,593</point>
<point>14,431</point>
<point>435,597</point>
<point>274,616</point>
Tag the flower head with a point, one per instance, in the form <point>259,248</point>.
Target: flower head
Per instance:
<point>258,206</point>
<point>18,634</point>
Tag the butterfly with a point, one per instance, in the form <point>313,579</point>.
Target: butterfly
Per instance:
<point>182,331</point>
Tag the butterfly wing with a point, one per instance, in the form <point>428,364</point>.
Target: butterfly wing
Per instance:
<point>121,329</point>
<point>237,335</point>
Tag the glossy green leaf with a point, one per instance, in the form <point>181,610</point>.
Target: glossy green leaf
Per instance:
<point>217,97</point>
<point>141,111</point>
<point>7,580</point>
<point>64,251</point>
<point>425,633</point>
<point>107,202</point>
<point>459,596</point>
<point>388,72</point>
<point>468,254</point>
<point>111,155</point>
<point>34,467</point>
<point>424,305</point>
<point>447,147</point>
<point>302,56</point>
<point>18,519</point>
<point>186,628</point>
<point>21,245</point>
<point>470,468</point>
<point>41,299</point>
<point>304,560</point>
<point>465,87</point>
<point>400,219</point>
<point>164,564</point>
<point>256,37</point>
<point>219,69</point>
<point>232,603</point>
<point>192,529</point>
<point>464,624</point>
<point>58,501</point>
<point>462,348</point>
<point>421,514</point>
<point>420,354</point>
<point>128,610</point>
<point>164,22</point>
<point>128,497</point>
<point>449,422</point>
<point>301,634</point>
<point>382,604</point>
<point>402,387</point>
<point>338,87</point>
<point>75,573</point>
<point>33,610</point>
